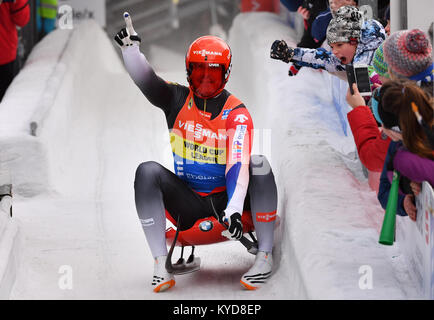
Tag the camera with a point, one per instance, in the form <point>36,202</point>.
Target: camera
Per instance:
<point>307,4</point>
<point>358,74</point>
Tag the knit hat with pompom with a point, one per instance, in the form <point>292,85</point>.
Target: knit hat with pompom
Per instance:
<point>408,52</point>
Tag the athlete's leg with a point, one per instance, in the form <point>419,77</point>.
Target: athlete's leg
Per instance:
<point>263,203</point>
<point>263,200</point>
<point>157,189</point>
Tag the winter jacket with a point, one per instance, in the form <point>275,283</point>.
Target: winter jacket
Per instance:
<point>411,167</point>
<point>414,167</point>
<point>292,5</point>
<point>372,36</point>
<point>11,15</point>
<point>371,144</point>
<point>320,24</point>
<point>385,182</point>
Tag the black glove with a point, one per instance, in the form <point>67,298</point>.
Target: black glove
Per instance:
<point>281,51</point>
<point>127,36</point>
<point>235,225</point>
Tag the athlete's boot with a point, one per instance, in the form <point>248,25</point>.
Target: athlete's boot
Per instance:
<point>162,280</point>
<point>259,273</point>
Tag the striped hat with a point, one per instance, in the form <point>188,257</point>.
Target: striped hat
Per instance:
<point>408,52</point>
<point>380,66</point>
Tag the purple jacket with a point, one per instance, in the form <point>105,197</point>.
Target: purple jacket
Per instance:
<point>412,166</point>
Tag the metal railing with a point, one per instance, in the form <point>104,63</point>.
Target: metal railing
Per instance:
<point>154,20</point>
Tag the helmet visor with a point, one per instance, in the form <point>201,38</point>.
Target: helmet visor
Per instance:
<point>206,79</point>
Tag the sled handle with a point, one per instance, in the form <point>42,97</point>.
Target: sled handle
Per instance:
<point>251,246</point>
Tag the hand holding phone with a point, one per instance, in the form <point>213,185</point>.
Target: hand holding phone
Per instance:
<point>359,74</point>
<point>354,99</point>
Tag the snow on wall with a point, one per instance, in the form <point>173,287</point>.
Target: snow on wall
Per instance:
<point>330,217</point>
<point>31,93</point>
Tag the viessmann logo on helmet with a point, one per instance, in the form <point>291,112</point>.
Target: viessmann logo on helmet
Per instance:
<point>204,52</point>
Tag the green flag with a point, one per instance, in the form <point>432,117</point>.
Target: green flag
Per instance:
<point>387,235</point>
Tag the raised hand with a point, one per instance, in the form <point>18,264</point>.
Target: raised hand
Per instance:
<point>281,51</point>
<point>127,36</point>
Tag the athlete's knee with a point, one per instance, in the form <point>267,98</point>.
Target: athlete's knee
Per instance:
<point>259,166</point>
<point>147,171</point>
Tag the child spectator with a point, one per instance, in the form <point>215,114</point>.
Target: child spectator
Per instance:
<point>321,22</point>
<point>352,40</point>
<point>406,113</point>
<point>408,54</point>
<point>379,69</point>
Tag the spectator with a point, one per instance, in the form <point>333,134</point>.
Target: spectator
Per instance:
<point>378,69</point>
<point>321,22</point>
<point>46,16</point>
<point>411,151</point>
<point>351,39</point>
<point>408,56</point>
<point>292,5</point>
<point>371,143</point>
<point>309,10</point>
<point>387,18</point>
<point>12,14</point>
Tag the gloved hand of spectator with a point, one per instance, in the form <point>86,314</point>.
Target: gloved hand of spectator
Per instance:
<point>303,12</point>
<point>409,206</point>
<point>281,51</point>
<point>235,226</point>
<point>127,36</point>
<point>416,187</point>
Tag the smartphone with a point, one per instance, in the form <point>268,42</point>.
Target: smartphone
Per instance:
<point>359,74</point>
<point>307,4</point>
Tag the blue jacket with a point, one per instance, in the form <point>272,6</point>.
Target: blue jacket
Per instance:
<point>291,5</point>
<point>320,24</point>
<point>385,185</point>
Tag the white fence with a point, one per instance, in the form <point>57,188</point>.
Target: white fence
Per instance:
<point>416,239</point>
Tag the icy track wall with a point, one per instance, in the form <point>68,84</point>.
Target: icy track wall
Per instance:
<point>52,118</point>
<point>330,217</point>
<point>9,249</point>
<point>71,78</point>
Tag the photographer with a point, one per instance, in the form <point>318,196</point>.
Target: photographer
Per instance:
<point>13,13</point>
<point>309,10</point>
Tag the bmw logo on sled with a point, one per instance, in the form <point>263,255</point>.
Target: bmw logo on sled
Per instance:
<point>205,225</point>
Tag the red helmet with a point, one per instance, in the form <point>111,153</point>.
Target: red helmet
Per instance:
<point>208,64</point>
